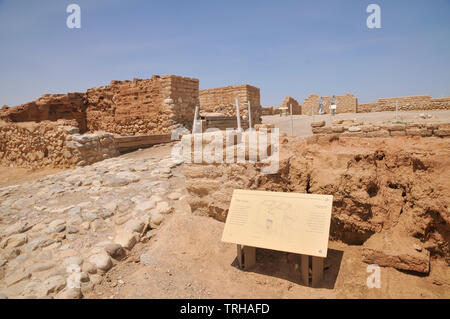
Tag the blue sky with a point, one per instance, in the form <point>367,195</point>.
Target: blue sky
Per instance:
<point>283,47</point>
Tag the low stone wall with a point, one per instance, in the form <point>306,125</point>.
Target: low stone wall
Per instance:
<point>406,103</point>
<point>54,144</point>
<point>358,129</point>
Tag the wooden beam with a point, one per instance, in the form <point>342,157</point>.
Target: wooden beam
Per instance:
<point>304,269</point>
<point>249,257</point>
<point>317,271</point>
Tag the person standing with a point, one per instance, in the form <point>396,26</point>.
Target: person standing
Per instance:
<point>333,104</point>
<point>321,105</point>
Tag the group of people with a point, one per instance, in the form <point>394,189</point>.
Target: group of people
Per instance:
<point>333,103</point>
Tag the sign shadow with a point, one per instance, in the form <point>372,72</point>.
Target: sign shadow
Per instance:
<point>286,266</point>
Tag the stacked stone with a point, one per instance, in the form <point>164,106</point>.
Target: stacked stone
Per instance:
<point>34,145</point>
<point>180,97</point>
<point>407,103</point>
<point>91,148</point>
<point>223,100</point>
<point>347,103</point>
<point>358,129</point>
<point>54,144</point>
<point>296,108</point>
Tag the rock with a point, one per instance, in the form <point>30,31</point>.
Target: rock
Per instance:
<point>3,296</point>
<point>115,250</point>
<point>71,293</point>
<point>337,129</point>
<point>39,243</point>
<point>156,219</point>
<point>17,277</point>
<point>14,241</point>
<point>174,196</point>
<point>135,225</point>
<point>390,249</point>
<point>3,262</point>
<point>84,277</point>
<point>72,229</point>
<point>17,228</point>
<point>41,267</point>
<point>164,208</point>
<point>126,239</point>
<point>95,279</point>
<point>102,261</point>
<point>145,205</point>
<point>53,285</point>
<point>354,129</point>
<point>75,210</point>
<point>90,216</point>
<point>87,287</point>
<point>114,181</point>
<point>73,260</point>
<point>89,268</point>
<point>396,127</point>
<point>318,124</point>
<point>157,198</point>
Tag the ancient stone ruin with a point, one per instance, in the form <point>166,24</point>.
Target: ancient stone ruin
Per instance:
<point>223,100</point>
<point>151,106</point>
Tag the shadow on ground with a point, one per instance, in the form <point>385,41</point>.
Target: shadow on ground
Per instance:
<point>287,266</point>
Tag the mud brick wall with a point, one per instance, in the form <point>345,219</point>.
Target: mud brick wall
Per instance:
<point>52,144</point>
<point>296,108</point>
<point>347,103</point>
<point>49,107</point>
<point>149,106</point>
<point>223,100</point>
<point>407,103</point>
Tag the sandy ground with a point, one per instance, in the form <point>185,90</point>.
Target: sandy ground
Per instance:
<point>302,123</point>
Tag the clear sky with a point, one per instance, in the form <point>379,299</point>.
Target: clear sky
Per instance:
<point>283,47</point>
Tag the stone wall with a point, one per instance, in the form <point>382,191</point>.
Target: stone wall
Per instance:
<point>49,107</point>
<point>150,106</point>
<point>52,143</point>
<point>267,110</point>
<point>407,103</point>
<point>358,129</point>
<point>223,100</point>
<point>296,108</point>
<point>347,103</point>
